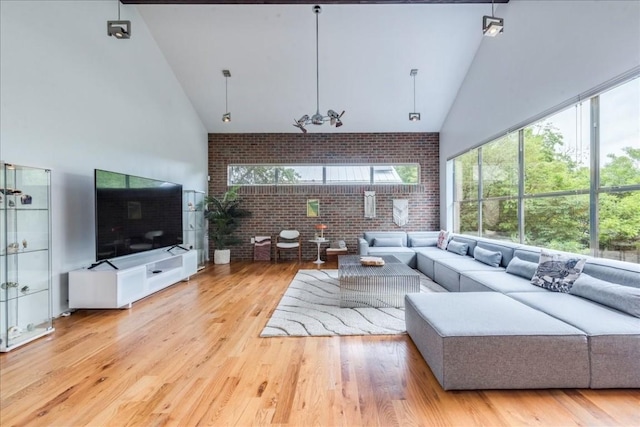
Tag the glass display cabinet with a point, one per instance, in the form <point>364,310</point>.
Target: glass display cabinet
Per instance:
<point>25,255</point>
<point>195,232</point>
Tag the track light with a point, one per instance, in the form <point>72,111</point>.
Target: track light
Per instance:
<point>119,29</point>
<point>492,26</point>
<point>226,117</point>
<point>414,117</point>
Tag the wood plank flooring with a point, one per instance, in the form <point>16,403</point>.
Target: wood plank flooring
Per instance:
<point>191,355</point>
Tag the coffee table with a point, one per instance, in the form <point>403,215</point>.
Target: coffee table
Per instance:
<point>384,286</point>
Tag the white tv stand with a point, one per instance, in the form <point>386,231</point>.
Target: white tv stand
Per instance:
<point>137,276</point>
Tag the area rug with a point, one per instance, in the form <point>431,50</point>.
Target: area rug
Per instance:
<point>311,307</point>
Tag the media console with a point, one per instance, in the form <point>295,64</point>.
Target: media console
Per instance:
<point>136,277</point>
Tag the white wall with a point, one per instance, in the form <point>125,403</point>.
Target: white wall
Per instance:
<point>73,99</point>
<point>550,51</point>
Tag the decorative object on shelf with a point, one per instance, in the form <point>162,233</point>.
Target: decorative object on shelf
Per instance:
<point>24,289</point>
<point>371,261</point>
<point>224,215</point>
<point>24,243</point>
<point>414,117</point>
<point>321,228</point>
<point>119,29</point>
<point>400,212</point>
<point>318,119</point>
<point>13,248</point>
<point>12,204</point>
<point>191,207</point>
<point>313,208</point>
<point>369,204</point>
<point>26,199</point>
<point>14,332</point>
<point>31,327</point>
<point>226,117</point>
<point>7,285</point>
<point>491,25</point>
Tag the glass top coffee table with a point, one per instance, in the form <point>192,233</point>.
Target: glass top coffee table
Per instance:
<point>375,286</point>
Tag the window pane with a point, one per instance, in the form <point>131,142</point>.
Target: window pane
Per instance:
<point>620,225</point>
<point>500,167</point>
<point>466,220</point>
<point>500,219</point>
<point>560,223</point>
<point>348,174</point>
<point>466,176</point>
<point>300,175</point>
<point>620,135</point>
<point>556,152</point>
<point>401,174</point>
<point>251,175</point>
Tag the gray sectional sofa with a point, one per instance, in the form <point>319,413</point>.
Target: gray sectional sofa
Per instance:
<point>496,330</point>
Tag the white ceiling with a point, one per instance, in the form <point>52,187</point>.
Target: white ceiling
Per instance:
<point>366,54</point>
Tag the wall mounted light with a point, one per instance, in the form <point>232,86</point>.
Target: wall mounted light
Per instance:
<point>414,117</point>
<point>492,26</point>
<point>119,29</point>
<point>226,117</point>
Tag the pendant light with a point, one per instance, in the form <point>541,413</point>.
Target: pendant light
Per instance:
<point>414,117</point>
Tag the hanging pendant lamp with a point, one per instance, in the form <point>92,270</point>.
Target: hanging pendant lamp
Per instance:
<point>317,119</point>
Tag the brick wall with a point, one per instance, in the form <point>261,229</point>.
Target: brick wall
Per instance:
<point>341,206</point>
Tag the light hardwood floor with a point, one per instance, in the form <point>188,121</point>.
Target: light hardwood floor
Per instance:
<point>191,355</point>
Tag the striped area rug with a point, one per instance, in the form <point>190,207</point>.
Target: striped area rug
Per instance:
<point>311,307</point>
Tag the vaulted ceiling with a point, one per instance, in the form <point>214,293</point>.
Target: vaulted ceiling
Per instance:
<point>366,51</point>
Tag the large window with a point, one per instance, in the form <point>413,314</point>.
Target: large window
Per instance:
<point>323,174</point>
<point>549,196</point>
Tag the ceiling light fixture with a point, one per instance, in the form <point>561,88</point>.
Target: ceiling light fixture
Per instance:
<point>492,26</point>
<point>226,117</point>
<point>317,118</point>
<point>119,29</point>
<point>414,117</point>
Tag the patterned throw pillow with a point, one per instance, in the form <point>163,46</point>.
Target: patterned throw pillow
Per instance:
<point>557,272</point>
<point>443,240</point>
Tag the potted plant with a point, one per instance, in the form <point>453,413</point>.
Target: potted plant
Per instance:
<point>224,215</point>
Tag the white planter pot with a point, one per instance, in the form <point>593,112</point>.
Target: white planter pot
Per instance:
<point>221,256</point>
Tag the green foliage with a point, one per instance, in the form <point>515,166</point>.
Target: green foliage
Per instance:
<point>408,174</point>
<point>557,222</point>
<point>224,215</point>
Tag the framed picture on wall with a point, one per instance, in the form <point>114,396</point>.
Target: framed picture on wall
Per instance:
<point>313,207</point>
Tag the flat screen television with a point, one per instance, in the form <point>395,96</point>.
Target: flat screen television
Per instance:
<point>135,214</point>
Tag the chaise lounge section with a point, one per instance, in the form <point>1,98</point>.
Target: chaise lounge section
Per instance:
<point>473,336</point>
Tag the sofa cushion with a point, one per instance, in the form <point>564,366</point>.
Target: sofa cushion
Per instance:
<point>420,242</point>
<point>390,242</point>
<point>487,257</point>
<point>623,298</point>
<point>443,240</point>
<point>522,268</point>
<point>614,337</point>
<point>457,247</point>
<point>619,272</point>
<point>495,280</point>
<point>369,236</point>
<point>557,272</point>
<point>530,255</point>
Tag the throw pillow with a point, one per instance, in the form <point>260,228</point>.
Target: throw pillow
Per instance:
<point>623,298</point>
<point>417,242</point>
<point>488,257</point>
<point>443,240</point>
<point>387,242</point>
<point>522,268</point>
<point>557,272</point>
<point>457,247</point>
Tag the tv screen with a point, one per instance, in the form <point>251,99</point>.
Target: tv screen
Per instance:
<point>135,214</point>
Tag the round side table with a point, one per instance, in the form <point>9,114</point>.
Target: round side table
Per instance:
<point>318,242</point>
